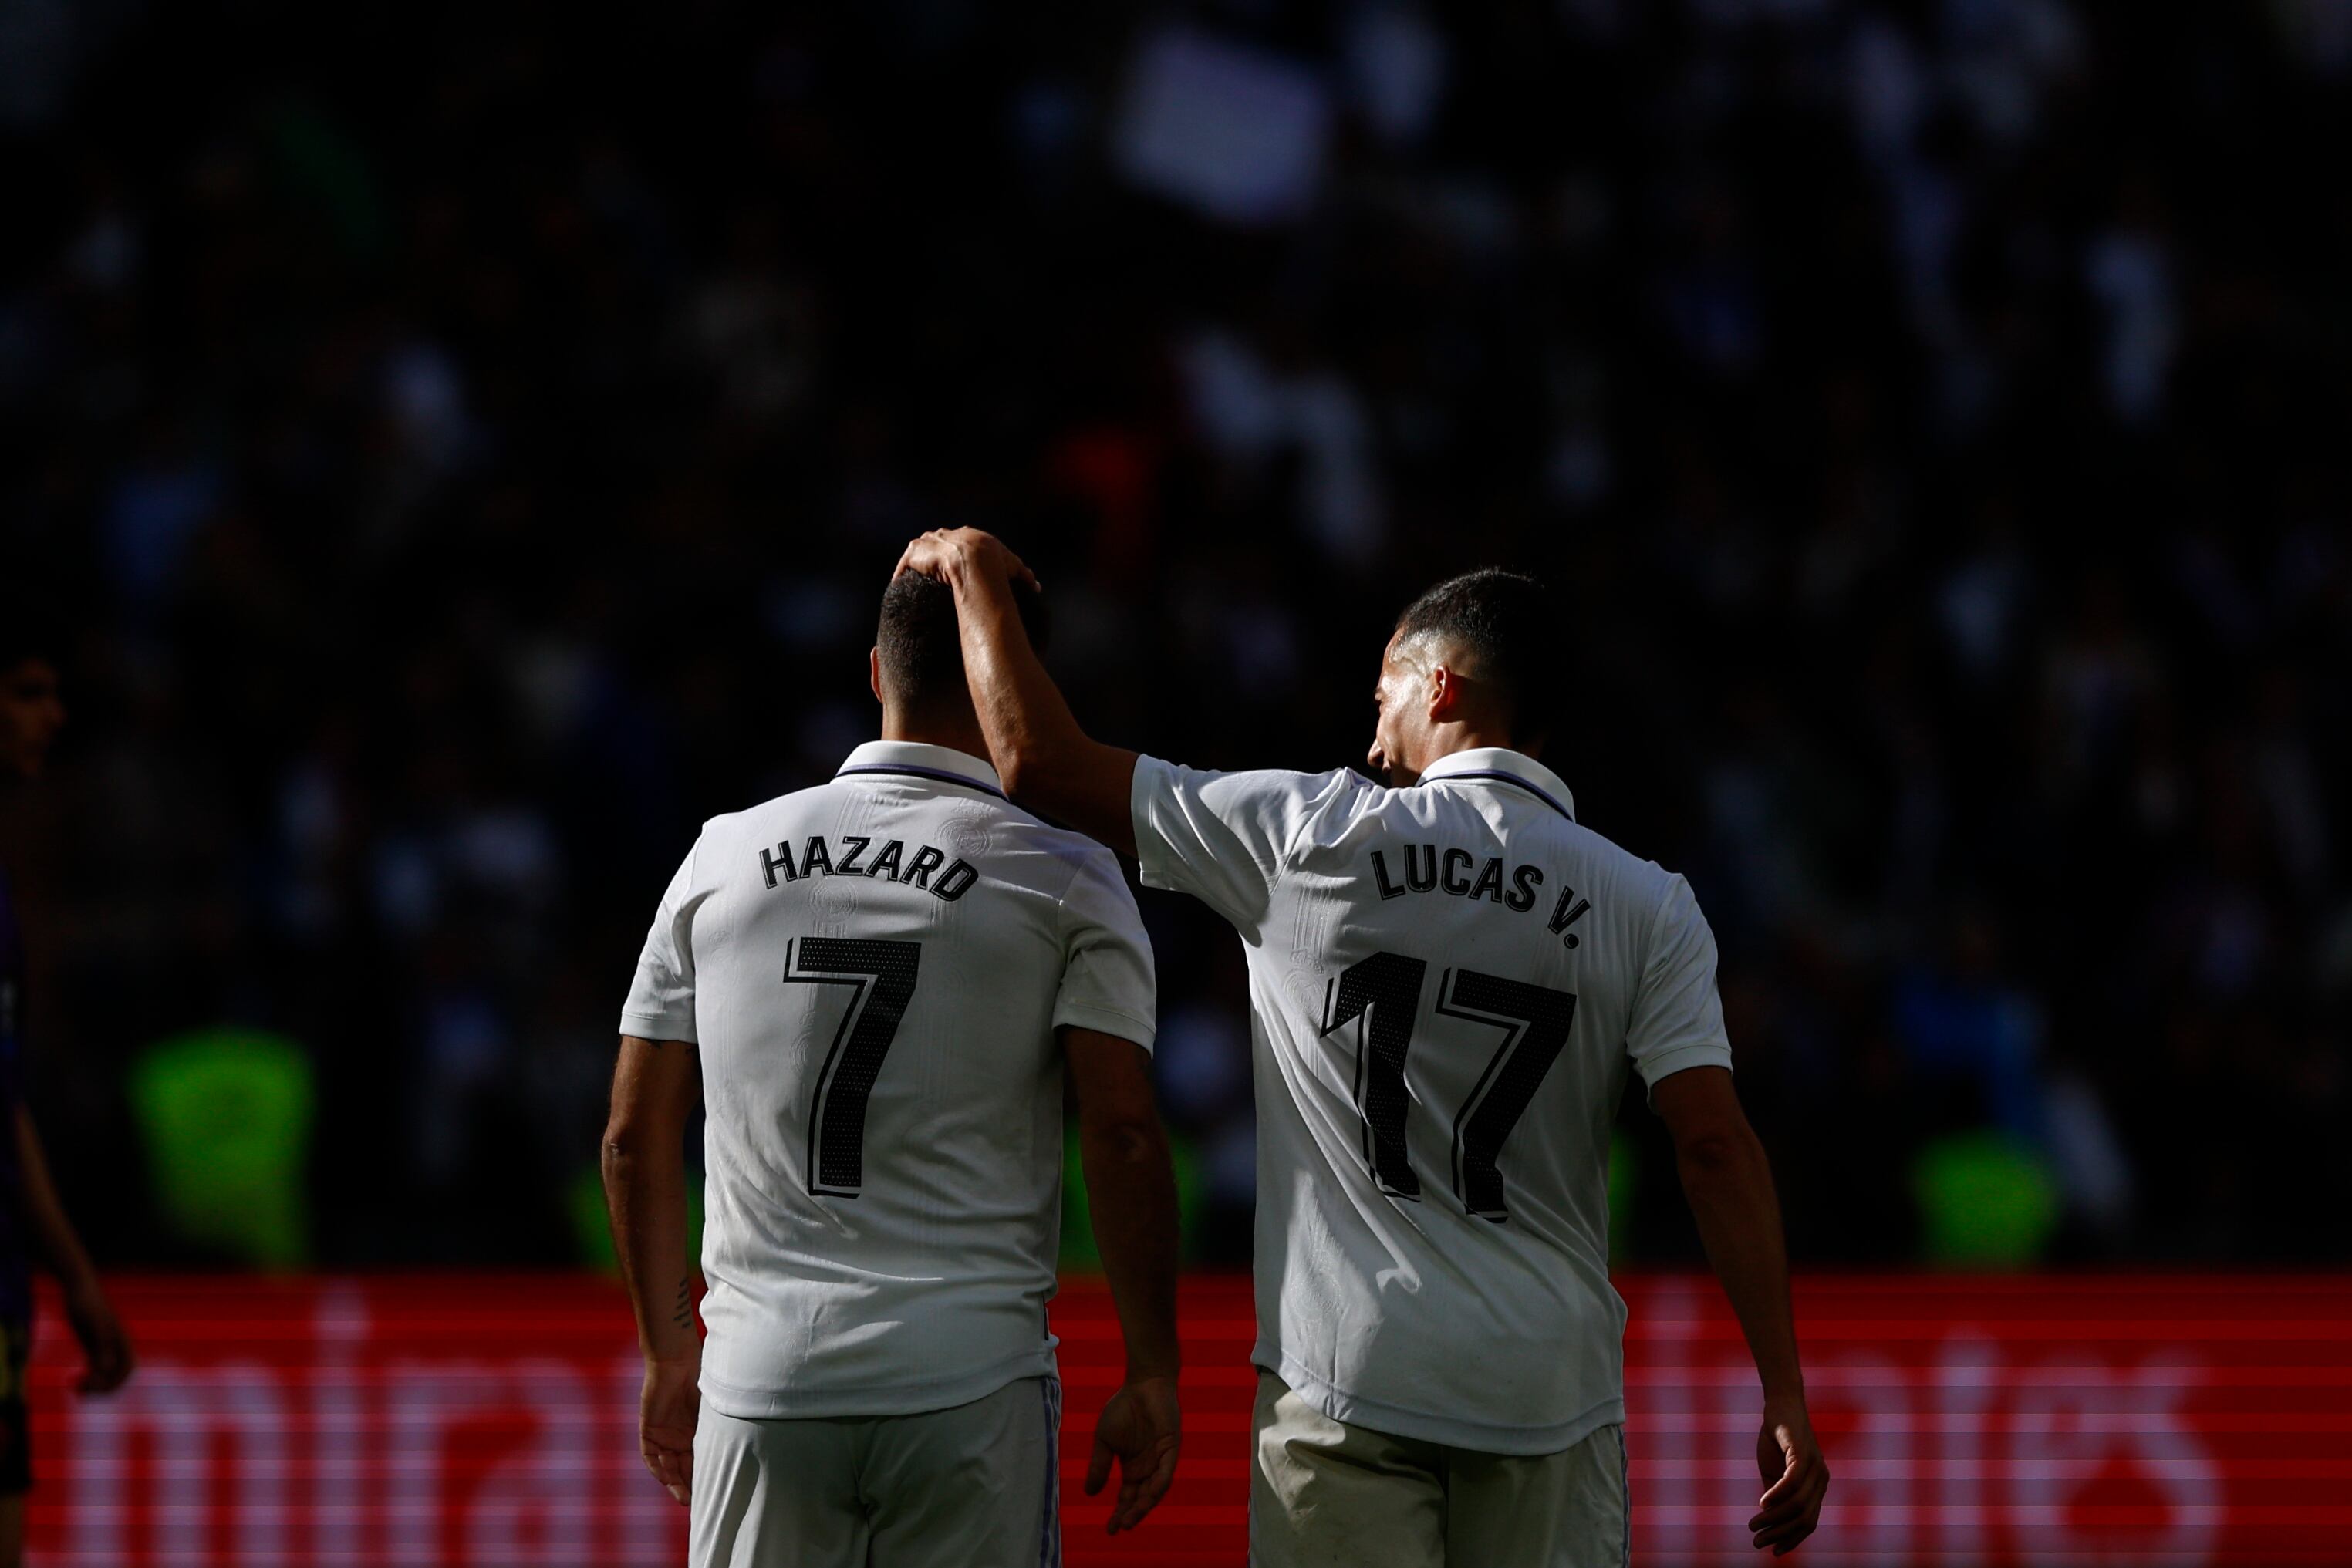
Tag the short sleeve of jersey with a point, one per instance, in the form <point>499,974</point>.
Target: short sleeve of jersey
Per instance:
<point>1108,983</point>
<point>1221,836</point>
<point>1678,1015</point>
<point>661,997</point>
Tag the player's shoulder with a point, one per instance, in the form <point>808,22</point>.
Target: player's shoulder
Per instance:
<point>733,824</point>
<point>1266,780</point>
<point>1336,785</point>
<point>760,815</point>
<point>1066,848</point>
<point>767,821</point>
<point>1604,851</point>
<point>1606,862</point>
<point>1276,792</point>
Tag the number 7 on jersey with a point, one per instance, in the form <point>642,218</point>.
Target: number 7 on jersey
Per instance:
<point>883,974</point>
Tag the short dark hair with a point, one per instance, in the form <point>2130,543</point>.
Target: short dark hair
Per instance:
<point>922,646</point>
<point>1506,625</point>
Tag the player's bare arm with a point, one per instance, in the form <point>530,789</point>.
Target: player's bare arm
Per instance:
<point>1131,1195</point>
<point>1728,1183</point>
<point>105,1348</point>
<point>1046,761</point>
<point>654,1089</point>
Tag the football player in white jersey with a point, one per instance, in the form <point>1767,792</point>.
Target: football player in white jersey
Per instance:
<point>1450,981</point>
<point>878,987</point>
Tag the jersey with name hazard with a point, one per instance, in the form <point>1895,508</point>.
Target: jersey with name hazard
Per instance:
<point>1449,986</point>
<point>872,971</point>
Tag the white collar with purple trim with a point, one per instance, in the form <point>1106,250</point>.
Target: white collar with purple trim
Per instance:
<point>918,759</point>
<point>1497,765</point>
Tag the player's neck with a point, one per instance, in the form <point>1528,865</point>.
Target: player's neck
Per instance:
<point>957,732</point>
<point>1448,738</point>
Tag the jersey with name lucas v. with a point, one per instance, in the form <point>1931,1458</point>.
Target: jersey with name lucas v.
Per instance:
<point>1449,984</point>
<point>873,970</point>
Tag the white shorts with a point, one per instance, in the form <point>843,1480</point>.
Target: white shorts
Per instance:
<point>973,1486</point>
<point>1324,1492</point>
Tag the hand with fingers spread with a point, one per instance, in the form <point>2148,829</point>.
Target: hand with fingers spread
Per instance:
<point>1141,1428</point>
<point>944,552</point>
<point>1795,1478</point>
<point>669,1406</point>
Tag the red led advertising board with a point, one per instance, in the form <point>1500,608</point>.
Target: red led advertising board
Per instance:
<point>469,1419</point>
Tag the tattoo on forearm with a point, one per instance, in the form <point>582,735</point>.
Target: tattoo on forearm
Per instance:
<point>682,1314</point>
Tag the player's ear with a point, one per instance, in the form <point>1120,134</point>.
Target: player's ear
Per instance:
<point>1444,694</point>
<point>874,671</point>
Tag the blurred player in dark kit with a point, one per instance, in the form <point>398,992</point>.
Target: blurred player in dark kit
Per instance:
<point>33,1225</point>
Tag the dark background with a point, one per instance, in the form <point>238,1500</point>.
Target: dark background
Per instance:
<point>468,447</point>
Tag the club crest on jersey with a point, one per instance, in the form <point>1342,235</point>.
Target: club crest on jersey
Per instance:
<point>927,868</point>
<point>1431,868</point>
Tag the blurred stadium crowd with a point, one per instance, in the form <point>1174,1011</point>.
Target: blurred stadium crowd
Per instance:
<point>468,447</point>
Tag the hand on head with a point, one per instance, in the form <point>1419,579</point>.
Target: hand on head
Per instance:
<point>943,552</point>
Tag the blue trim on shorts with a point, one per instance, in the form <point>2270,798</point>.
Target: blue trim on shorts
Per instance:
<point>1625,1492</point>
<point>1049,1542</point>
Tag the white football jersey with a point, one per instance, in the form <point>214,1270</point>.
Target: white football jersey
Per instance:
<point>873,970</point>
<point>1448,985</point>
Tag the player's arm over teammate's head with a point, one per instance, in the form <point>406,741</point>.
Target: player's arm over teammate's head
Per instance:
<point>1466,665</point>
<point>918,648</point>
<point>1048,763</point>
<point>919,655</point>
